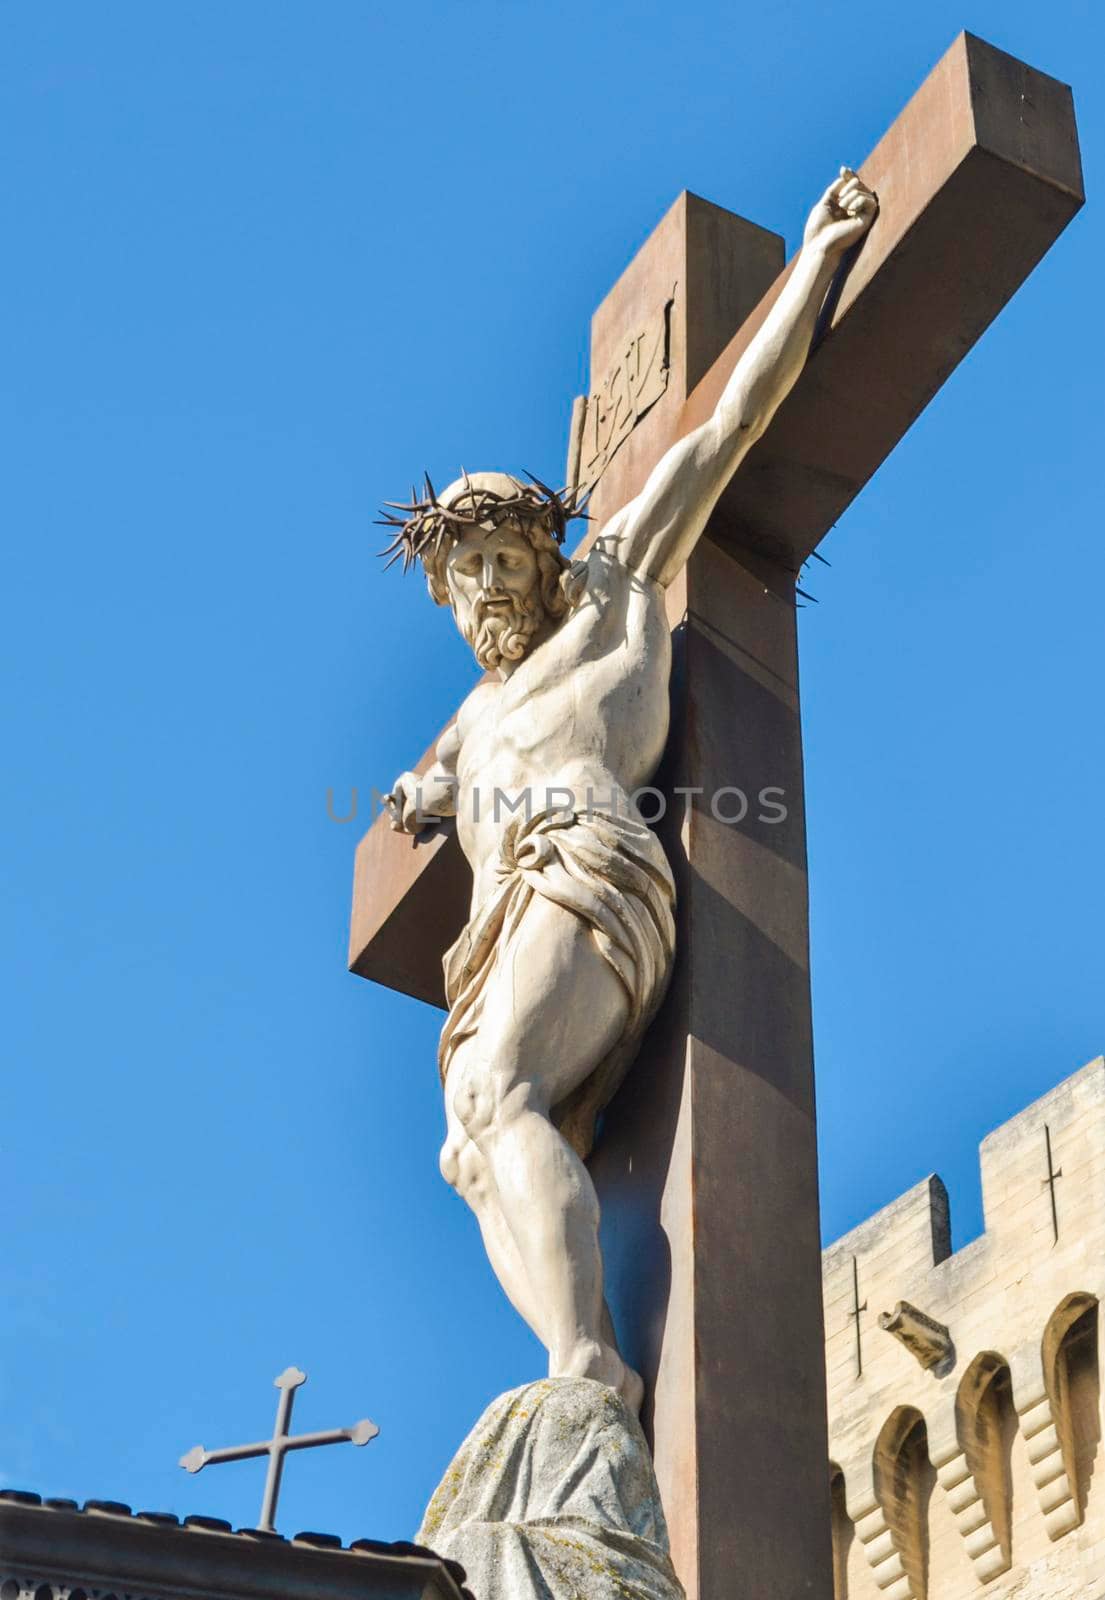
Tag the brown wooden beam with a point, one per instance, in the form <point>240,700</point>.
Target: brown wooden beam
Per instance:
<point>976,180</point>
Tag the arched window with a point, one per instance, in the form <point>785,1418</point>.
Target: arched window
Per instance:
<point>986,1423</point>
<point>1073,1377</point>
<point>904,1480</point>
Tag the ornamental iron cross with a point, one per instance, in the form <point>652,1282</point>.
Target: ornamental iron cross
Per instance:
<point>1054,1173</point>
<point>856,1312</point>
<point>277,1447</point>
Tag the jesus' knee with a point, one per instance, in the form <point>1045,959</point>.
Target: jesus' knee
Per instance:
<point>487,1106</point>
<point>465,1170</point>
<point>449,1161</point>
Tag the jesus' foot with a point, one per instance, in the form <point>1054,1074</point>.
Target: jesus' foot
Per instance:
<point>591,1358</point>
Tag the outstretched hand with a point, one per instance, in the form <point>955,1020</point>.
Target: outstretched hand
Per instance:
<point>842,216</point>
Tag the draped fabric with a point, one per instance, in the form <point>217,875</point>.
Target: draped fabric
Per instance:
<point>553,1493</point>
<point>611,872</point>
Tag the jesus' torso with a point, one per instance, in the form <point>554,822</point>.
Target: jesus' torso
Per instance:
<point>584,716</point>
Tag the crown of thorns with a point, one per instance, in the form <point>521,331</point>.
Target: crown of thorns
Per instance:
<point>423,524</point>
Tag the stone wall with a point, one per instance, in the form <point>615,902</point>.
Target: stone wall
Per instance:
<point>965,1414</point>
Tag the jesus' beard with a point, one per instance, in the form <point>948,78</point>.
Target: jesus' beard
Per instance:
<point>504,633</point>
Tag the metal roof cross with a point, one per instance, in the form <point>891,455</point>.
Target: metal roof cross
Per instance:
<point>278,1446</point>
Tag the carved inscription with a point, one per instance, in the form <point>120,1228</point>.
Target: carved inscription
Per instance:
<point>603,420</point>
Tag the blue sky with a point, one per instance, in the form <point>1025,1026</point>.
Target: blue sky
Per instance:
<point>264,264</point>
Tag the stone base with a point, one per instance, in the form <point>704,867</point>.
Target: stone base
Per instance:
<point>552,1496</point>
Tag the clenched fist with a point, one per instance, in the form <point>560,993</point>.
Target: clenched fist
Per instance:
<point>842,216</point>
<point>403,803</point>
<point>418,802</point>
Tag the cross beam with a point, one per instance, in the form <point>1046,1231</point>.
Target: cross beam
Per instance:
<point>976,179</point>
<point>278,1446</point>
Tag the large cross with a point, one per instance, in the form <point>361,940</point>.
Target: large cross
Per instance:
<point>707,1163</point>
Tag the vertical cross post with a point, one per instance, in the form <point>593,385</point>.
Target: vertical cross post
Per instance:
<point>707,1166</point>
<point>287,1383</point>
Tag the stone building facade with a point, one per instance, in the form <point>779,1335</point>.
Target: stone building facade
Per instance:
<point>965,1409</point>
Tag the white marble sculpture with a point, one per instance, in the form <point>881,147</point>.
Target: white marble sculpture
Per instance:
<point>569,945</point>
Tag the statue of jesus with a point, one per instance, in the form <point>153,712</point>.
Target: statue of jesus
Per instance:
<point>569,945</point>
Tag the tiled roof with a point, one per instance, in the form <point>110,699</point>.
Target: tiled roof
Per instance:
<point>449,1575</point>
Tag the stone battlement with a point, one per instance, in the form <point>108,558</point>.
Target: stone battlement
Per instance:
<point>964,1397</point>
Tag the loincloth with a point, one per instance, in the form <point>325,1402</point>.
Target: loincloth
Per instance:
<point>611,872</point>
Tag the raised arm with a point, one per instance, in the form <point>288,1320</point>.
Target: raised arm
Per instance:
<point>655,533</point>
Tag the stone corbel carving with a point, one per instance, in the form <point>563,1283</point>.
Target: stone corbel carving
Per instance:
<point>930,1341</point>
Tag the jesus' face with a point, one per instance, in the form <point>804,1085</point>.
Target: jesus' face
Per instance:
<point>493,579</point>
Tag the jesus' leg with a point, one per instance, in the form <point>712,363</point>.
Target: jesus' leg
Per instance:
<point>553,1010</point>
<point>467,1171</point>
